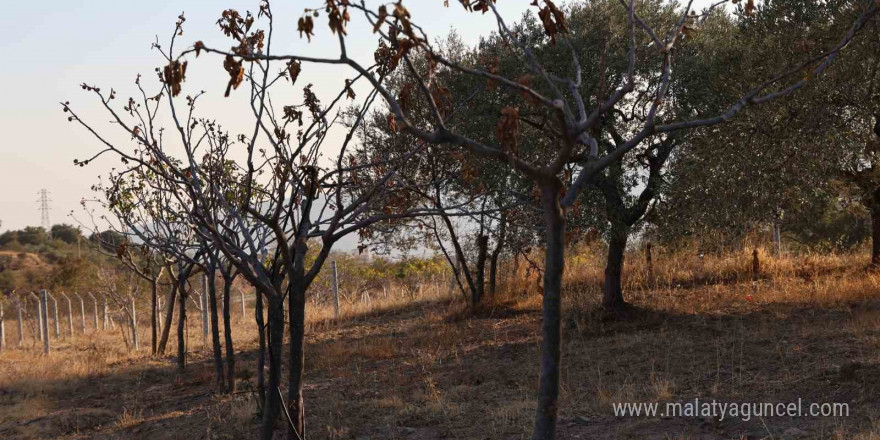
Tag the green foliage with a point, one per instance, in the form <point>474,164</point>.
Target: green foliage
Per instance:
<point>66,233</point>
<point>32,235</point>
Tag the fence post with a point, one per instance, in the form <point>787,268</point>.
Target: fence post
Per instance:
<point>2,330</point>
<point>96,309</point>
<point>334,281</point>
<point>104,327</point>
<point>159,314</point>
<point>39,334</point>
<point>241,295</point>
<point>203,301</point>
<point>20,325</point>
<point>69,312</point>
<point>82,311</point>
<point>134,333</point>
<point>55,315</point>
<point>44,301</point>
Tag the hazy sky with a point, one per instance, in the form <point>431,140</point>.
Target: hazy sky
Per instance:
<point>53,46</point>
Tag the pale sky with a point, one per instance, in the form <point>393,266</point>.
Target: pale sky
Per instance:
<point>53,46</point>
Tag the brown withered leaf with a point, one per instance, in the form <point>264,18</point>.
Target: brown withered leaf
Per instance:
<point>293,70</point>
<point>526,81</point>
<point>385,60</point>
<point>475,5</point>
<point>235,71</point>
<point>174,75</point>
<point>392,122</point>
<point>383,14</point>
<point>337,13</point>
<point>306,26</point>
<point>507,130</point>
<point>443,99</point>
<point>349,93</point>
<point>552,18</point>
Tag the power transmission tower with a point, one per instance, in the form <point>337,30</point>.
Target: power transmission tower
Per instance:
<point>44,210</point>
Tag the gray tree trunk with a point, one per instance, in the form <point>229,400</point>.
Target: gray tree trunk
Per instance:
<point>551,315</point>
<point>181,324</point>
<point>612,291</point>
<point>227,333</point>
<point>211,302</point>
<point>169,318</point>
<point>261,352</point>
<point>272,406</point>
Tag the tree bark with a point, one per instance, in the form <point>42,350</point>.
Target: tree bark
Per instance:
<point>296,363</point>
<point>612,292</point>
<point>169,317</point>
<point>181,324</point>
<point>272,406</point>
<point>551,314</point>
<point>215,331</point>
<point>499,246</point>
<point>480,287</point>
<point>261,355</point>
<point>296,370</point>
<point>227,333</point>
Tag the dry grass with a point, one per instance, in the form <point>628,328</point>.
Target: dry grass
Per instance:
<point>415,364</point>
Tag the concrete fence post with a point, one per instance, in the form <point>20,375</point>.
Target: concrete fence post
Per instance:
<point>44,302</point>
<point>159,313</point>
<point>2,330</point>
<point>55,316</point>
<point>95,300</point>
<point>20,324</point>
<point>241,296</point>
<point>334,281</point>
<point>39,335</point>
<point>106,317</point>
<point>82,311</point>
<point>69,312</point>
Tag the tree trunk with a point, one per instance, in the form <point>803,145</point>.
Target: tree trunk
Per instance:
<point>227,333</point>
<point>181,325</point>
<point>272,406</point>
<point>612,292</point>
<point>499,246</point>
<point>154,316</point>
<point>875,235</point>
<point>261,355</point>
<point>297,318</point>
<point>551,315</point>
<point>480,285</point>
<point>215,332</point>
<point>169,317</point>
<point>296,363</point>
